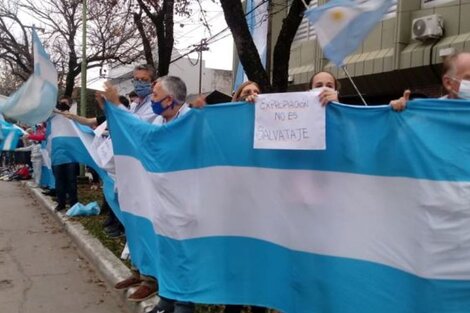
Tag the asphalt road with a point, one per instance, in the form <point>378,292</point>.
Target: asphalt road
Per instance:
<point>41,270</point>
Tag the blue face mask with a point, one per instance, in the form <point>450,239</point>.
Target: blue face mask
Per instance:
<point>142,88</point>
<point>157,106</point>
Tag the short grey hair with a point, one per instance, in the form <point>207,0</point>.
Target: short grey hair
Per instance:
<point>146,67</point>
<point>175,87</point>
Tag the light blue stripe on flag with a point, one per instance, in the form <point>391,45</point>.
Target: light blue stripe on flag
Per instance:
<point>378,222</point>
<point>71,142</point>
<point>10,135</point>
<point>342,25</point>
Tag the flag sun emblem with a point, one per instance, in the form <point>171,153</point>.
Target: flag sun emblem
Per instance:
<point>336,15</point>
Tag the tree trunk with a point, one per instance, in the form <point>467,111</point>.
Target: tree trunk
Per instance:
<point>165,37</point>
<point>281,53</point>
<point>246,49</point>
<point>145,41</point>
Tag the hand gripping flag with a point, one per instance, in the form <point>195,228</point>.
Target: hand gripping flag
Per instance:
<point>342,25</point>
<point>34,101</point>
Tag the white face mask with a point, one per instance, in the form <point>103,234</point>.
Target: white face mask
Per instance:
<point>318,90</point>
<point>464,89</point>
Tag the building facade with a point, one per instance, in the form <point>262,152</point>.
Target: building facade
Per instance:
<point>399,53</point>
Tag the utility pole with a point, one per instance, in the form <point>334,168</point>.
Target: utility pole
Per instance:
<point>199,48</point>
<point>83,99</point>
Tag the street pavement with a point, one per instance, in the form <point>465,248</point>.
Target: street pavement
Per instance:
<point>41,270</point>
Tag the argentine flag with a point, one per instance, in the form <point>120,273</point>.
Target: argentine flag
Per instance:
<point>10,134</point>
<point>71,142</point>
<point>378,222</point>
<point>342,25</point>
<point>34,101</point>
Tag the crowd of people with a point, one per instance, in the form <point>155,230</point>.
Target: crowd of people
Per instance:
<point>162,100</point>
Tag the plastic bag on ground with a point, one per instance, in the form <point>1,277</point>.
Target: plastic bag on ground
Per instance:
<point>79,209</point>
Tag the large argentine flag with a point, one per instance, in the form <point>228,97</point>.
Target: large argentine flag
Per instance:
<point>342,25</point>
<point>379,222</point>
<point>71,142</point>
<point>34,101</point>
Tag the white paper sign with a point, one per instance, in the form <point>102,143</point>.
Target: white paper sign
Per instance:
<point>293,121</point>
<point>105,152</point>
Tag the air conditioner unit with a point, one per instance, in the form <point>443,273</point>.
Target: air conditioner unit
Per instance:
<point>427,27</point>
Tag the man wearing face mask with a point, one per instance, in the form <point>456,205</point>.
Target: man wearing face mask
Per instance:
<point>168,99</point>
<point>455,80</point>
<point>167,103</point>
<point>144,75</point>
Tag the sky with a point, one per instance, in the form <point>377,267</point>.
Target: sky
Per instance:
<point>220,53</point>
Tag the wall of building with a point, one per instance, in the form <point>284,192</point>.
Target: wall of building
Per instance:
<point>184,68</point>
<point>388,61</point>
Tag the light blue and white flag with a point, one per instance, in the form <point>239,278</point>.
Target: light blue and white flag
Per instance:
<point>71,142</point>
<point>378,222</point>
<point>342,25</point>
<point>257,18</point>
<point>47,176</point>
<point>34,101</point>
<point>10,134</point>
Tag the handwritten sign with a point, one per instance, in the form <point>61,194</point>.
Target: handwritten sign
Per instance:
<point>293,121</point>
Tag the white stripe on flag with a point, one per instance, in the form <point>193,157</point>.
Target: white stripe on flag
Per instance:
<point>371,218</point>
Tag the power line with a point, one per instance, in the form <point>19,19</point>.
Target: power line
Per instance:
<point>214,39</point>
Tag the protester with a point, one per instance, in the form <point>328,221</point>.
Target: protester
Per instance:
<point>168,102</point>
<point>144,75</point>
<point>246,92</point>
<point>328,84</point>
<point>36,160</point>
<point>134,98</point>
<point>65,174</point>
<point>455,80</point>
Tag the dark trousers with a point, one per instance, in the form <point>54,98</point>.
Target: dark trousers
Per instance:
<point>66,182</point>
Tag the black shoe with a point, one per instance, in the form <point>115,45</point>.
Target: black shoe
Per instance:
<point>116,234</point>
<point>112,228</point>
<point>59,207</point>
<point>108,221</point>
<point>164,306</point>
<point>50,193</point>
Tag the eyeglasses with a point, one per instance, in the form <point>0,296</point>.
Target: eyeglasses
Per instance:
<point>140,80</point>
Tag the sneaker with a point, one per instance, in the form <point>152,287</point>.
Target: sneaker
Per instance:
<point>128,282</point>
<point>143,293</point>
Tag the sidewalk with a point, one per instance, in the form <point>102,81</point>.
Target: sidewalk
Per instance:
<point>109,266</point>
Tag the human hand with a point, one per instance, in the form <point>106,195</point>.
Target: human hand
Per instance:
<point>100,99</point>
<point>328,95</point>
<point>110,93</point>
<point>251,98</point>
<point>400,104</point>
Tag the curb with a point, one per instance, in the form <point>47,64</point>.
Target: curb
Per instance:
<point>103,260</point>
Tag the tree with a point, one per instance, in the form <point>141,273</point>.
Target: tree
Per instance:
<point>111,37</point>
<point>161,13</point>
<point>246,49</point>
<point>15,49</point>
